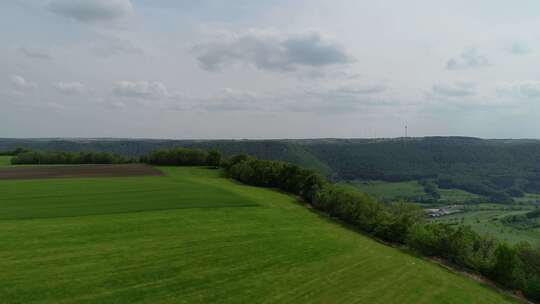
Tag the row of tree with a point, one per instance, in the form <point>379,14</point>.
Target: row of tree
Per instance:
<point>265,173</point>
<point>525,221</point>
<point>173,157</point>
<point>182,157</point>
<point>13,152</point>
<point>515,267</point>
<point>55,158</point>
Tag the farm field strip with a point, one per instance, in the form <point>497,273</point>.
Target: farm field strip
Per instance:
<point>74,197</point>
<point>5,160</point>
<point>409,189</point>
<point>279,252</point>
<point>487,222</point>
<point>24,172</point>
<point>390,190</point>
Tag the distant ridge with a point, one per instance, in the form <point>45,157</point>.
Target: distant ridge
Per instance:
<point>497,168</point>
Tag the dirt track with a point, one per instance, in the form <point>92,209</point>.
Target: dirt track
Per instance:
<point>76,171</point>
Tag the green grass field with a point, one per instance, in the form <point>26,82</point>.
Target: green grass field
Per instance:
<point>78,197</point>
<point>390,191</point>
<point>396,190</point>
<point>482,221</point>
<point>456,196</point>
<point>5,160</point>
<point>213,241</point>
<point>488,222</point>
<point>529,198</point>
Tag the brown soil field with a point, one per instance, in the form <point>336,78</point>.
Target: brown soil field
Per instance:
<point>76,171</point>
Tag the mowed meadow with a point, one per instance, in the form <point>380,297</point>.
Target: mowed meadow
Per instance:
<point>193,236</point>
<point>5,160</point>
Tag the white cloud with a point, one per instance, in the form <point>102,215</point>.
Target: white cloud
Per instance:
<point>359,90</point>
<point>271,51</point>
<point>71,88</point>
<point>22,84</point>
<point>348,98</point>
<point>230,100</point>
<point>469,59</point>
<point>108,46</point>
<point>117,105</point>
<point>141,89</point>
<point>320,100</point>
<point>458,89</point>
<point>522,89</point>
<point>35,53</point>
<point>91,10</point>
<point>518,48</point>
<point>55,106</point>
<point>470,97</point>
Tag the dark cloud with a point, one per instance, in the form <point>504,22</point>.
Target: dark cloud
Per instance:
<point>312,50</point>
<point>469,59</point>
<point>271,52</point>
<point>91,10</point>
<point>460,89</point>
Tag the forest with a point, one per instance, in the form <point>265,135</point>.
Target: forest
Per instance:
<point>499,170</point>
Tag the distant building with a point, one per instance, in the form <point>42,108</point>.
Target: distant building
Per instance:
<point>438,212</point>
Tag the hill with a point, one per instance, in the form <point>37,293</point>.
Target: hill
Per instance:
<point>496,169</point>
<point>192,236</point>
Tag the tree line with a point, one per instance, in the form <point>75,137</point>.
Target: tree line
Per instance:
<point>172,157</point>
<point>525,221</point>
<point>68,158</point>
<point>182,157</point>
<point>13,152</point>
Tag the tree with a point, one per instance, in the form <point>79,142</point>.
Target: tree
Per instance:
<point>213,158</point>
<point>396,220</point>
<point>313,183</point>
<point>422,238</point>
<point>507,266</point>
<point>431,189</point>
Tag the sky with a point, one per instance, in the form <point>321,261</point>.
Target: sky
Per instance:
<point>212,69</point>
